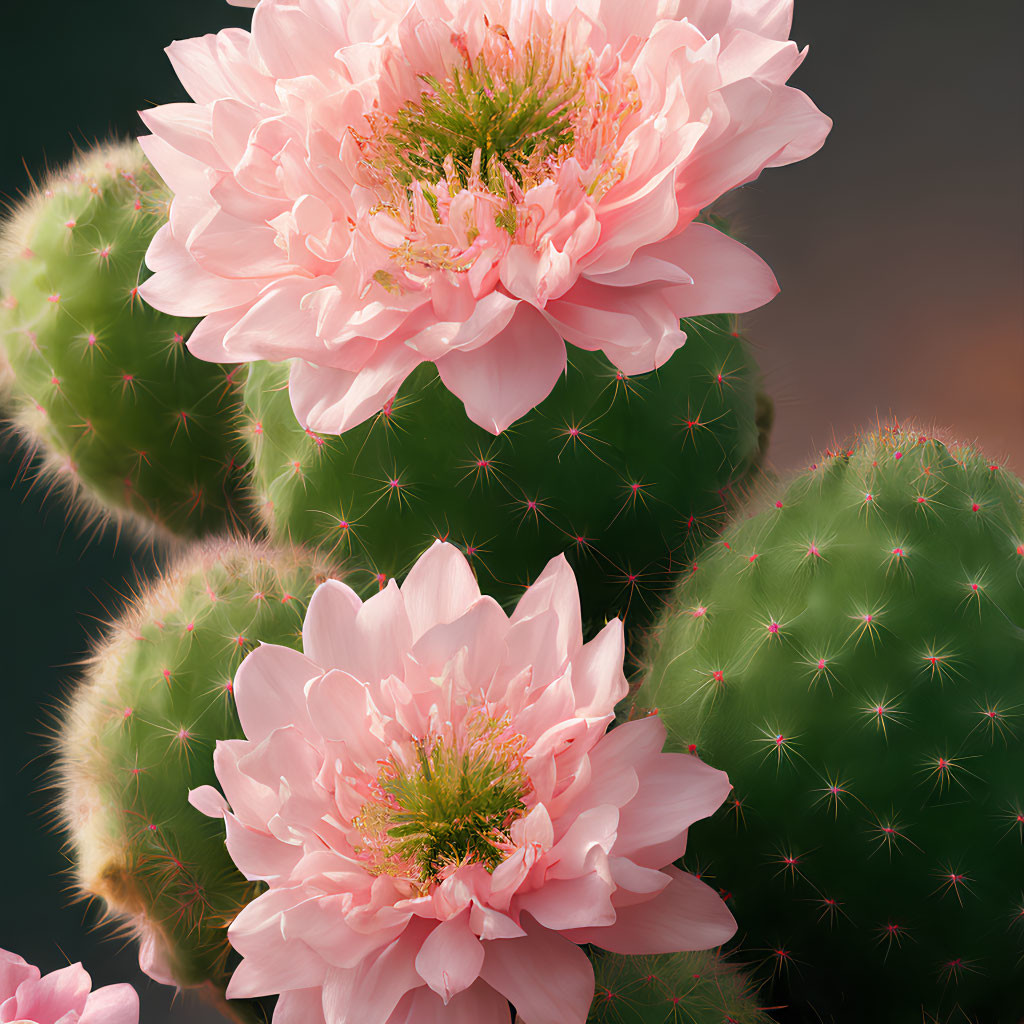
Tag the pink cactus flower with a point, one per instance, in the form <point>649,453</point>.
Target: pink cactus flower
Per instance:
<point>365,185</point>
<point>431,794</point>
<point>61,997</point>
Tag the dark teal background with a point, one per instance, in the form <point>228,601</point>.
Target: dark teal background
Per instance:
<point>899,249</point>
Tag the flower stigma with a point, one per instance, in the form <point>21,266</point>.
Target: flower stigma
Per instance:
<point>453,805</point>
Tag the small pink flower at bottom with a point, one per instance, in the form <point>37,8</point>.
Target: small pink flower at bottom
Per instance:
<point>62,997</point>
<point>441,815</point>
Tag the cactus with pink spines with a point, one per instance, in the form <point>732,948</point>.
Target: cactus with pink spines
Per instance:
<point>623,474</point>
<point>99,385</point>
<point>139,732</point>
<point>852,653</point>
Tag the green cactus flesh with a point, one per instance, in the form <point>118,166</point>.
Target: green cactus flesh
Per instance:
<point>101,385</point>
<point>853,656</point>
<point>680,988</point>
<point>139,733</point>
<point>620,473</point>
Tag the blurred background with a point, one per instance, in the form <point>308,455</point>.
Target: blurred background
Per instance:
<point>900,250</point>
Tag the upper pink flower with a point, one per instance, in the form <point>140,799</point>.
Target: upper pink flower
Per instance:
<point>62,997</point>
<point>432,797</point>
<point>366,185</point>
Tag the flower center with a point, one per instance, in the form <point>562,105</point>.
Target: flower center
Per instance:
<point>501,115</point>
<point>455,805</point>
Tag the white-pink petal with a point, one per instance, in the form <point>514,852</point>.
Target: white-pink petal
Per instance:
<point>439,588</point>
<point>112,1004</point>
<point>686,915</point>
<point>450,958</point>
<point>505,378</point>
<point>546,977</point>
<point>269,690</point>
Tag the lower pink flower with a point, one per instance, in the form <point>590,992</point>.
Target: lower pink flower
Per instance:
<point>62,997</point>
<point>441,815</point>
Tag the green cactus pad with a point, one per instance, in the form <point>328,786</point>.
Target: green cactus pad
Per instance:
<point>102,388</point>
<point>853,656</point>
<point>139,733</point>
<point>622,474</point>
<point>681,988</point>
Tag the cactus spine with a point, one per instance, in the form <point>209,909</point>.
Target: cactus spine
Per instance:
<point>695,988</point>
<point>853,656</point>
<point>620,473</point>
<point>100,385</point>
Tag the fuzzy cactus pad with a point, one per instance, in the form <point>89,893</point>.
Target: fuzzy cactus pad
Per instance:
<point>140,732</point>
<point>100,385</point>
<point>677,988</point>
<point>623,474</point>
<point>852,654</point>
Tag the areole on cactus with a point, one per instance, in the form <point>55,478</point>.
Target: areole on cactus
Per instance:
<point>140,730</point>
<point>851,653</point>
<point>99,384</point>
<point>624,474</point>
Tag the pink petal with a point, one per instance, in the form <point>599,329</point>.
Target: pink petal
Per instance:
<point>637,328</point>
<point>546,977</point>
<point>768,127</point>
<point>384,635</point>
<point>290,40</point>
<point>180,173</point>
<point>686,915</point>
<point>334,401</point>
<point>635,884</point>
<point>295,967</point>
<point>492,924</point>
<point>646,267</point>
<point>269,690</point>
<point>13,971</point>
<point>727,276</point>
<point>510,375</point>
<point>199,65</point>
<point>320,923</point>
<point>154,958</point>
<point>613,760</point>
<point>338,704</point>
<point>595,827</point>
<point>209,801</point>
<point>54,994</point>
<point>300,1006</point>
<point>181,287</point>
<point>490,316</point>
<point>276,326</point>
<point>329,624</point>
<point>478,1004</point>
<point>675,791</point>
<point>252,802</point>
<point>207,339</point>
<point>555,590</point>
<point>256,854</point>
<point>480,631</point>
<point>271,964</point>
<point>581,902</point>
<point>640,217</point>
<point>233,248</point>
<point>450,958</point>
<point>188,128</point>
<point>371,991</point>
<point>113,1004</point>
<point>598,681</point>
<point>439,588</point>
